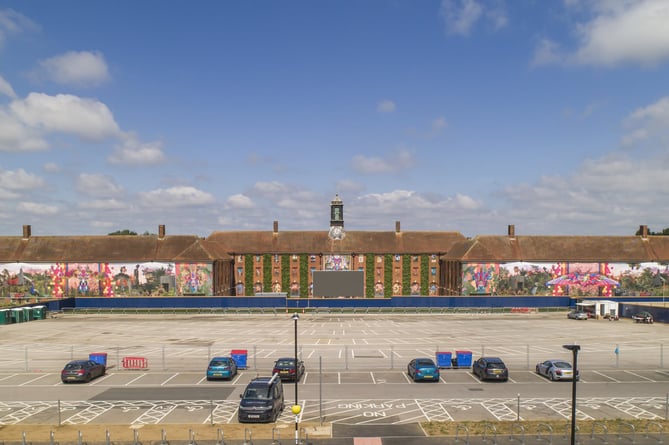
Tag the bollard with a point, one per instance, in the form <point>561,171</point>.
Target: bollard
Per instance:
<point>191,437</point>
<point>136,438</point>
<point>163,440</point>
<point>107,438</point>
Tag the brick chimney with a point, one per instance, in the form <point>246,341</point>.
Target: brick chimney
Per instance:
<point>511,231</point>
<point>161,231</point>
<point>643,229</point>
<point>27,231</point>
<point>397,227</point>
<point>276,227</point>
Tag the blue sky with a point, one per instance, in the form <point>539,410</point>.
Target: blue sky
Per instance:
<point>453,115</point>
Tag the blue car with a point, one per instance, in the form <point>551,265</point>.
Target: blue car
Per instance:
<point>221,368</point>
<point>423,369</point>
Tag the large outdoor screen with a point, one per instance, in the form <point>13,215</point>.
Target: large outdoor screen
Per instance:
<point>339,283</point>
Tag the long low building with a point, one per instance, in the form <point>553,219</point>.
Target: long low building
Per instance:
<point>386,264</point>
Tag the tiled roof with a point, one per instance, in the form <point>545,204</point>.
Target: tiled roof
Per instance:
<point>100,248</point>
<point>318,242</point>
<point>627,249</point>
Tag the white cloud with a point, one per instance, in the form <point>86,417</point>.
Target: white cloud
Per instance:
<point>17,137</point>
<point>19,180</point>
<point>460,15</point>
<point>272,188</point>
<point>348,185</point>
<point>630,31</point>
<point>6,88</point>
<point>240,201</point>
<point>607,191</point>
<point>134,152</point>
<point>391,163</point>
<point>386,106</point>
<point>410,200</point>
<point>102,224</point>
<point>497,15</point>
<point>51,167</point>
<point>86,118</point>
<point>98,185</point>
<point>12,22</point>
<point>78,68</point>
<point>619,32</point>
<point>649,123</point>
<point>547,52</point>
<point>184,196</point>
<point>103,204</point>
<point>35,208</point>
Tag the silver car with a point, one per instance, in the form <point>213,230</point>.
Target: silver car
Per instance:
<point>556,370</point>
<point>577,315</point>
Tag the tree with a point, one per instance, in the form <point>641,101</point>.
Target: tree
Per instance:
<point>123,232</point>
<point>664,232</point>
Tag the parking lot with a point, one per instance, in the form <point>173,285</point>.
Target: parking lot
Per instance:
<point>355,368</point>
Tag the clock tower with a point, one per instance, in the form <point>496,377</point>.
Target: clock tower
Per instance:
<point>336,219</point>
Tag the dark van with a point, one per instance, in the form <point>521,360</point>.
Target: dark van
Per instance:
<point>262,400</point>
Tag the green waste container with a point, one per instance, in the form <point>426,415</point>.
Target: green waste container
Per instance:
<point>5,316</point>
<point>18,315</point>
<point>39,312</point>
<point>28,314</point>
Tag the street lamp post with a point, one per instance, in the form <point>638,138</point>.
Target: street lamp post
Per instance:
<point>574,349</point>
<point>296,407</point>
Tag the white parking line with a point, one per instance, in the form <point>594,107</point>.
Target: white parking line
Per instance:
<point>640,376</point>
<point>166,381</point>
<point>606,376</point>
<point>33,380</point>
<point>135,379</point>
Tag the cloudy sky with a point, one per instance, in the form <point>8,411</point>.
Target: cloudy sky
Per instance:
<point>453,115</point>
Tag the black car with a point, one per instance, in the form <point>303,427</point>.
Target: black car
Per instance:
<point>81,371</point>
<point>490,368</point>
<point>262,400</point>
<point>285,367</point>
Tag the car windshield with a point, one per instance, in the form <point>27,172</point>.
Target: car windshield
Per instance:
<point>72,366</point>
<point>290,363</point>
<point>563,365</point>
<point>257,393</point>
<point>424,363</point>
<point>218,363</point>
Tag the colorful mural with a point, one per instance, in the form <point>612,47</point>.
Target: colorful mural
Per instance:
<point>337,262</point>
<point>61,280</point>
<point>574,279</point>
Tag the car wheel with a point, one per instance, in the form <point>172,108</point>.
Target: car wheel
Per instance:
<point>88,378</point>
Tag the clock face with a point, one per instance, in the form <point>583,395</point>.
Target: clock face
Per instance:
<point>336,232</point>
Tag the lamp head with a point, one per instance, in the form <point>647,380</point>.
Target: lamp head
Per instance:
<point>572,347</point>
<point>295,316</point>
